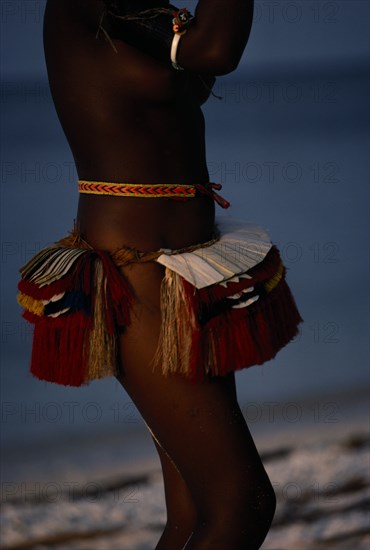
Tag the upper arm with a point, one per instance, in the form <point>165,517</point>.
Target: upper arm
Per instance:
<point>216,41</point>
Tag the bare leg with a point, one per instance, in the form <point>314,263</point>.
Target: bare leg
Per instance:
<point>181,511</point>
<point>202,430</point>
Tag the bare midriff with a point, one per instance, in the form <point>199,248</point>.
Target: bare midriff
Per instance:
<point>128,118</point>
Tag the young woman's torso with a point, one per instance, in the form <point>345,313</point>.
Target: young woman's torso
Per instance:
<point>129,119</point>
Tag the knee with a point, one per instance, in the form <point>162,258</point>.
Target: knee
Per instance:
<point>255,495</point>
<point>243,516</point>
<point>248,511</point>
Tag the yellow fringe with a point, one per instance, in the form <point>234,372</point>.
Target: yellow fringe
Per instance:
<point>178,323</point>
<point>30,304</point>
<point>271,283</point>
<point>102,348</point>
<point>177,326</point>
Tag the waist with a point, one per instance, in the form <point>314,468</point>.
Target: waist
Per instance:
<point>174,191</point>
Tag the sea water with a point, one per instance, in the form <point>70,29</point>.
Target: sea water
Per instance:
<point>290,149</point>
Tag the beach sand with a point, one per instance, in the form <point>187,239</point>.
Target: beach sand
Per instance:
<point>107,493</point>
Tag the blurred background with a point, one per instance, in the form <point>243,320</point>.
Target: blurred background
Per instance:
<point>289,141</point>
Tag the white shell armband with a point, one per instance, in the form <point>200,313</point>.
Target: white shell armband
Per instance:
<point>180,21</point>
<point>174,45</point>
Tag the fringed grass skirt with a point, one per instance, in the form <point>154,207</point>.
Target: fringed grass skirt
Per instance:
<point>225,306</point>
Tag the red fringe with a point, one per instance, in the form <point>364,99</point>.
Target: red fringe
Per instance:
<point>59,349</point>
<point>60,344</point>
<point>119,295</point>
<point>241,337</point>
<point>246,336</point>
<point>44,292</point>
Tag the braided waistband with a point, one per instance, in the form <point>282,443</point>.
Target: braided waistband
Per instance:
<point>152,190</point>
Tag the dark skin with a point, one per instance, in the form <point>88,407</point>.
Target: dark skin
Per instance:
<point>131,118</point>
<point>141,122</point>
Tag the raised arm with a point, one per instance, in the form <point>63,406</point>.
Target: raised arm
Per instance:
<point>216,40</point>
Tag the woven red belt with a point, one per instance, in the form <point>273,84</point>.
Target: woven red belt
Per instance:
<point>152,190</point>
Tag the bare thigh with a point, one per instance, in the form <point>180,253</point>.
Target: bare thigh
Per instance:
<point>201,426</point>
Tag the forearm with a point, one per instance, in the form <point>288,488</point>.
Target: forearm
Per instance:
<point>216,39</point>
